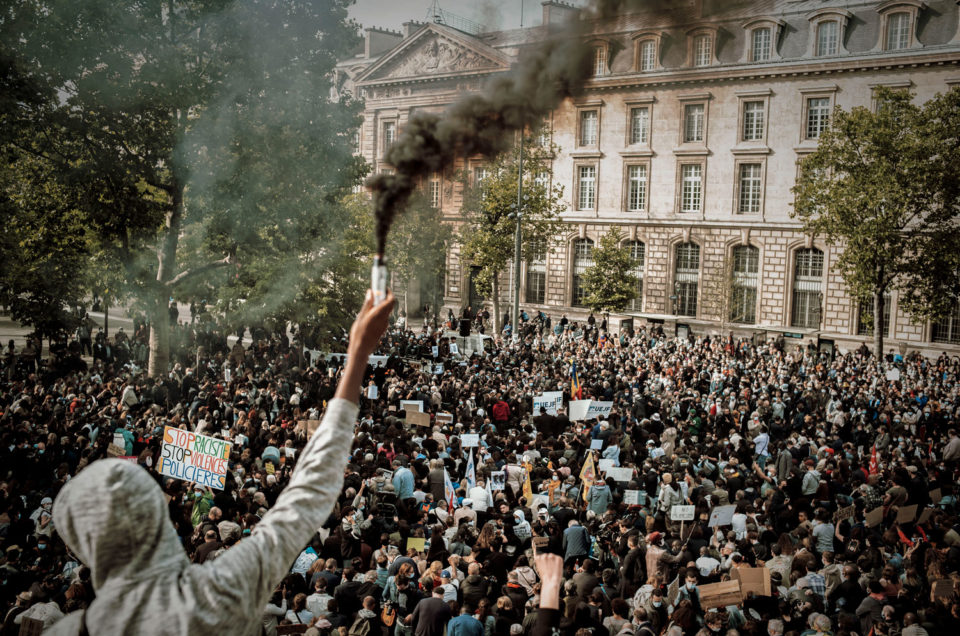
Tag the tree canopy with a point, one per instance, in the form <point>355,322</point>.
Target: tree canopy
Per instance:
<point>610,284</point>
<point>884,185</point>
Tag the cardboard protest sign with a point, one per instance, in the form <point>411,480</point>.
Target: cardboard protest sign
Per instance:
<point>906,514</point>
<point>578,410</point>
<point>935,496</point>
<point>444,418</point>
<point>470,440</point>
<point>756,580</point>
<point>549,400</point>
<point>620,475</point>
<point>874,517</point>
<point>673,590</point>
<point>682,513</point>
<point>721,516</point>
<point>498,480</point>
<point>925,516</point>
<point>845,513</point>
<point>307,427</point>
<point>541,542</point>
<point>720,594</point>
<point>633,498</point>
<point>114,450</point>
<point>411,405</point>
<point>418,419</point>
<point>194,457</point>
<point>417,543</point>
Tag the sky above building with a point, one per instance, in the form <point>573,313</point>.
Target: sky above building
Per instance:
<point>493,14</point>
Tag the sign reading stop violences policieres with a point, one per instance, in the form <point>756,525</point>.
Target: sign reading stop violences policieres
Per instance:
<point>194,457</point>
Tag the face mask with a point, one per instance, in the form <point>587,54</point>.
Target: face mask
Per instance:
<point>657,603</point>
<point>41,546</point>
<point>691,586</point>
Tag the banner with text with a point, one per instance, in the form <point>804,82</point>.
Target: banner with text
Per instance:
<point>194,457</point>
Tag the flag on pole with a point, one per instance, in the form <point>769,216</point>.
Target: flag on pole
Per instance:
<point>576,389</point>
<point>588,474</point>
<point>874,464</point>
<point>471,472</point>
<point>527,487</point>
<point>449,493</point>
<point>489,492</point>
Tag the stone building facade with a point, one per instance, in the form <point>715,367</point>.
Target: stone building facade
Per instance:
<point>687,139</point>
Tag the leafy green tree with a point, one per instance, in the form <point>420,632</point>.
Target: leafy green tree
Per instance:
<point>609,283</point>
<point>488,237</point>
<point>196,138</point>
<point>885,186</point>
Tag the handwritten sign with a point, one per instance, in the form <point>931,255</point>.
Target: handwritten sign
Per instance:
<point>416,543</point>
<point>444,418</point>
<point>470,440</point>
<point>418,418</point>
<point>605,464</point>
<point>720,594</point>
<point>411,405</point>
<point>721,516</point>
<point>114,450</point>
<point>541,542</point>
<point>682,513</point>
<point>633,497</point>
<point>620,475</point>
<point>846,513</point>
<point>194,457</point>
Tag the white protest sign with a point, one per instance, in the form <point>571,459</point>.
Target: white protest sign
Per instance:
<point>470,440</point>
<point>605,464</point>
<point>372,392</point>
<point>119,440</point>
<point>411,405</point>
<point>454,348</point>
<point>438,369</point>
<point>435,350</point>
<point>550,401</point>
<point>620,475</point>
<point>578,410</point>
<point>721,516</point>
<point>632,498</point>
<point>596,444</point>
<point>194,457</point>
<point>893,375</point>
<point>444,418</point>
<point>682,513</point>
<point>598,409</point>
<point>498,480</point>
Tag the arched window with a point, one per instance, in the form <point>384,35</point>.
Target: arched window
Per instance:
<point>686,279</point>
<point>638,252</point>
<point>898,31</point>
<point>537,273</point>
<point>760,44</point>
<point>807,288</point>
<point>746,275</point>
<point>828,38</point>
<point>582,260</point>
<point>647,55</point>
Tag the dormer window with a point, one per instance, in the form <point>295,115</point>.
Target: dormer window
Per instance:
<point>647,51</point>
<point>701,42</point>
<point>600,59</point>
<point>648,55</point>
<point>760,44</point>
<point>762,35</point>
<point>898,24</point>
<point>828,27</point>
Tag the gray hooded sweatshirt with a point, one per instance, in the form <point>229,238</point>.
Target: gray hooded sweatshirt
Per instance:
<point>114,516</point>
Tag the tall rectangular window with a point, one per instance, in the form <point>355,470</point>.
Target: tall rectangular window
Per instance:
<point>433,191</point>
<point>746,274</point>
<point>640,125</point>
<point>947,330</point>
<point>750,188</point>
<point>693,123</point>
<point>691,187</point>
<point>760,44</point>
<point>753,116</point>
<point>807,288</point>
<point>587,187</point>
<point>703,50</point>
<point>389,134</point>
<point>648,55</point>
<point>600,61</point>
<point>828,38</point>
<point>537,273</point>
<point>582,261</point>
<point>686,279</point>
<point>636,188</point>
<point>355,141</point>
<point>638,254</point>
<point>589,127</point>
<point>865,321</point>
<point>898,31</point>
<point>818,116</point>
<point>542,179</point>
<point>480,173</point>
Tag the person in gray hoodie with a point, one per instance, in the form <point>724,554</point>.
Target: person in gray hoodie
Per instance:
<point>113,515</point>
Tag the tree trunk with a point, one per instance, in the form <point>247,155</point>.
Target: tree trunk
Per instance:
<point>167,262</point>
<point>495,290</point>
<point>879,304</point>
<point>106,318</point>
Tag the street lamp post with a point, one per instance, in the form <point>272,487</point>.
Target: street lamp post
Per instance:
<point>515,316</point>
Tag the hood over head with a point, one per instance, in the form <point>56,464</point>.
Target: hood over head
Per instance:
<point>113,515</point>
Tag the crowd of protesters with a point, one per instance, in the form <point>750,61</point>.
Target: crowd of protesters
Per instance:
<point>419,545</point>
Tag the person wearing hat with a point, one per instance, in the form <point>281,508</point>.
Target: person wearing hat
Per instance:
<point>24,599</point>
<point>465,512</point>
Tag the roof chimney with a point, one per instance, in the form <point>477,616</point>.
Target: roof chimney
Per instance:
<point>557,12</point>
<point>411,27</point>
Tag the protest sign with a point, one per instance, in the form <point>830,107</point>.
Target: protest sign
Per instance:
<point>307,427</point>
<point>682,513</point>
<point>115,451</point>
<point>720,594</point>
<point>756,580</point>
<point>721,516</point>
<point>372,392</point>
<point>633,498</point>
<point>498,480</point>
<point>411,405</point>
<point>942,590</point>
<point>598,409</point>
<point>846,513</point>
<point>119,440</point>
<point>541,542</point>
<point>418,419</point>
<point>606,464</point>
<point>417,543</point>
<point>470,440</point>
<point>906,514</point>
<point>620,475</point>
<point>550,400</point>
<point>578,410</point>
<point>596,444</point>
<point>435,351</point>
<point>925,516</point>
<point>194,457</point>
<point>935,496</point>
<point>454,348</point>
<point>438,369</point>
<point>874,517</point>
<point>893,375</point>
<point>444,418</point>
<point>673,590</point>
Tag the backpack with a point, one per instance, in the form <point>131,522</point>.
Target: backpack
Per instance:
<point>360,627</point>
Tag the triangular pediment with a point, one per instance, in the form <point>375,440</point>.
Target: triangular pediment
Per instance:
<point>436,51</point>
